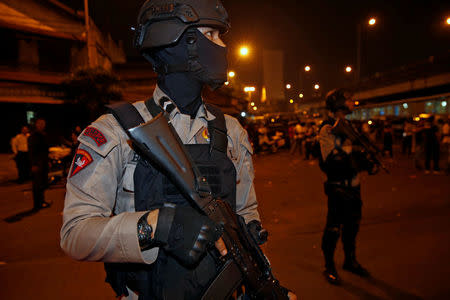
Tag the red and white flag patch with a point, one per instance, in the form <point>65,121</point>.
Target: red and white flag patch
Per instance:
<point>81,160</point>
<point>96,135</point>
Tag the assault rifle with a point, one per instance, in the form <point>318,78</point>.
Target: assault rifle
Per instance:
<point>245,264</point>
<point>344,127</point>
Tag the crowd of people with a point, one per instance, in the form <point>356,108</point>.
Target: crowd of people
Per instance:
<point>426,141</point>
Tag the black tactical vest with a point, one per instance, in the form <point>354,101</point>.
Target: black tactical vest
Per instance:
<point>338,166</point>
<point>166,278</point>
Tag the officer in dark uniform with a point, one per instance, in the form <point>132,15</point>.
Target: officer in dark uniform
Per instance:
<point>342,162</point>
<point>38,150</point>
<point>120,209</point>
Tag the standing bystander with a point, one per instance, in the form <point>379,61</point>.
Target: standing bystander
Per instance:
<point>431,145</point>
<point>407,138</point>
<point>19,146</point>
<point>446,145</point>
<point>39,163</point>
<point>388,140</point>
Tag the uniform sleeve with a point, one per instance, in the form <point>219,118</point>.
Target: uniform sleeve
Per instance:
<point>240,152</point>
<point>326,140</point>
<point>90,231</point>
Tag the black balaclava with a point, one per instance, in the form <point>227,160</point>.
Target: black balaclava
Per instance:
<point>185,88</point>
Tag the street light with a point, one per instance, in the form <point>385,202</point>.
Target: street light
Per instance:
<point>227,82</point>
<point>301,95</point>
<point>255,108</point>
<point>249,90</point>
<point>448,21</point>
<point>244,51</point>
<point>291,101</point>
<point>307,68</point>
<point>372,21</point>
<point>348,69</point>
<point>288,86</point>
<point>231,74</point>
<point>252,104</point>
<point>317,86</point>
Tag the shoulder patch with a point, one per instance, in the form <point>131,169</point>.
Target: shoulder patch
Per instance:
<point>96,135</point>
<point>102,135</point>
<point>81,160</point>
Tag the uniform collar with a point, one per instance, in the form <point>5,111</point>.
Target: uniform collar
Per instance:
<point>158,94</point>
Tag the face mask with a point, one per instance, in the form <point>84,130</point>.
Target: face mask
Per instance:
<point>213,59</point>
<point>185,87</point>
<point>182,87</point>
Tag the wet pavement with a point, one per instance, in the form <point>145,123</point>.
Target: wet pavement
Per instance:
<point>404,238</point>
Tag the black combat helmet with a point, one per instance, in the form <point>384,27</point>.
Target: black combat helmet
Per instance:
<point>335,99</point>
<point>162,22</point>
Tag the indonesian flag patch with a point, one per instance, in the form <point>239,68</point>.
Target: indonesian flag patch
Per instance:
<point>81,160</point>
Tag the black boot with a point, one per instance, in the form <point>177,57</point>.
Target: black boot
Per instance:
<point>353,266</point>
<point>329,241</point>
<point>331,275</point>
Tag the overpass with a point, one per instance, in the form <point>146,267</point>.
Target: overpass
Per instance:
<point>423,87</point>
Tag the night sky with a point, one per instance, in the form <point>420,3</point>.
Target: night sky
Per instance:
<point>320,33</point>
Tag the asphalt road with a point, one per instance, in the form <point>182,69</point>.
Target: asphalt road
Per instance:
<point>404,238</point>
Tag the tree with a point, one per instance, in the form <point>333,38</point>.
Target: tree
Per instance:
<point>91,89</point>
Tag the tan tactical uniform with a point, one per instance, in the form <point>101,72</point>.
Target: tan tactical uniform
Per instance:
<point>100,221</point>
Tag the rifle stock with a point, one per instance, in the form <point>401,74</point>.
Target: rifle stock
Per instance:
<point>161,146</point>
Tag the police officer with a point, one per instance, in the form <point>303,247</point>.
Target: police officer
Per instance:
<point>342,162</point>
<point>121,210</point>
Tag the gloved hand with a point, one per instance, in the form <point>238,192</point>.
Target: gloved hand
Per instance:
<point>258,233</point>
<point>185,233</point>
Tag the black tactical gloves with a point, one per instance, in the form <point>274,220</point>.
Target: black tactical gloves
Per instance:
<point>185,233</point>
<point>258,233</point>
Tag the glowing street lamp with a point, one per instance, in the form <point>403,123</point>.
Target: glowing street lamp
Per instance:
<point>252,104</point>
<point>227,82</point>
<point>255,108</point>
<point>244,51</point>
<point>307,68</point>
<point>288,86</point>
<point>291,101</point>
<point>348,69</point>
<point>249,90</point>
<point>316,86</point>
<point>372,21</point>
<point>231,74</point>
<point>301,95</point>
<point>448,21</point>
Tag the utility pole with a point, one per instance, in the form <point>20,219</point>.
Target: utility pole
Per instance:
<point>90,40</point>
